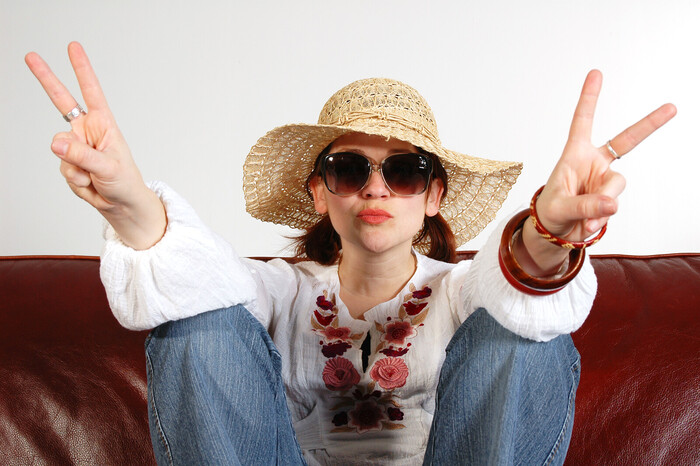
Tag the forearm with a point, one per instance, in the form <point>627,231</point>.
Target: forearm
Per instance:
<point>141,223</point>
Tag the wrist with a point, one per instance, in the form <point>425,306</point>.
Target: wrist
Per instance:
<point>141,223</point>
<point>536,255</point>
<point>518,277</point>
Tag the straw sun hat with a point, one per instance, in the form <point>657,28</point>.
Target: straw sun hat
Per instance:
<point>276,169</point>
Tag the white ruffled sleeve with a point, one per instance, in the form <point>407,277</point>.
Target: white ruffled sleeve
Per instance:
<point>539,318</point>
<point>189,271</point>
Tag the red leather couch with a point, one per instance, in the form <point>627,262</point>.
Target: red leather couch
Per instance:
<point>73,382</point>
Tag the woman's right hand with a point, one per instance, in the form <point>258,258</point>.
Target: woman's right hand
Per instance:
<point>95,158</point>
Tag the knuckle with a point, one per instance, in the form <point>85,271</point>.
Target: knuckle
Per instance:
<point>65,169</point>
<point>77,153</point>
<point>585,209</point>
<point>70,173</point>
<point>61,135</point>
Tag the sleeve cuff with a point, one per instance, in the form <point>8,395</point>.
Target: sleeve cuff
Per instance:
<point>539,318</point>
<point>189,271</point>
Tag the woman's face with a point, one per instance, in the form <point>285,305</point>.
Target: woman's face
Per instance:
<point>374,219</point>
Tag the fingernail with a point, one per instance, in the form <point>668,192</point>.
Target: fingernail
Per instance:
<point>607,207</point>
<point>59,147</point>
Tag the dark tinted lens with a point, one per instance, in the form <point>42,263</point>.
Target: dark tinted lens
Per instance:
<point>407,174</point>
<point>345,173</point>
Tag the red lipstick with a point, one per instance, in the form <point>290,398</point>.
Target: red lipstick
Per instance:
<point>374,216</point>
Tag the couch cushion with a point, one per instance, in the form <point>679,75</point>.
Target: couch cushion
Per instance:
<point>72,381</point>
<point>638,401</point>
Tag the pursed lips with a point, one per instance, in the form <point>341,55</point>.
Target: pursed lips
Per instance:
<point>374,216</point>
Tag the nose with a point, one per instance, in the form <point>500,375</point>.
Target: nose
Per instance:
<point>375,186</point>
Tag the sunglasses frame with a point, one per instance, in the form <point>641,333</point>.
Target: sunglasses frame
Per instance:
<point>378,167</point>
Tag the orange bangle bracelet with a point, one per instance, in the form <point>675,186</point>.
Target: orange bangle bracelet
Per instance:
<point>521,280</point>
<point>566,244</point>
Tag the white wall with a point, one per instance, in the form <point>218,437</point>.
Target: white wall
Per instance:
<point>193,87</point>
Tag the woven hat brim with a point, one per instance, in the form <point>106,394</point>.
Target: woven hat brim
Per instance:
<point>276,169</point>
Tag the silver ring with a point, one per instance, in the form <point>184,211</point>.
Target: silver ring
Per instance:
<point>75,113</point>
<point>612,151</point>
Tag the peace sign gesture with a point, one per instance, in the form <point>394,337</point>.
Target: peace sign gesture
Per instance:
<point>581,193</point>
<point>95,158</point>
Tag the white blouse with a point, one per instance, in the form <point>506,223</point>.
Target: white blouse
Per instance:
<point>343,412</point>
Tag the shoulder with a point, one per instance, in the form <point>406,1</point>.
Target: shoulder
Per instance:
<point>436,268</point>
<point>287,269</point>
<point>445,279</point>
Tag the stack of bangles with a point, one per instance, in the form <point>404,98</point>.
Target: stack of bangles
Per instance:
<point>525,282</point>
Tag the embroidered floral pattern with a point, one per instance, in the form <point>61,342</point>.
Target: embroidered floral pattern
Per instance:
<point>398,331</point>
<point>336,334</point>
<point>395,414</point>
<point>394,353</point>
<point>367,415</point>
<point>324,304</point>
<point>395,333</point>
<point>421,294</point>
<point>335,349</point>
<point>365,408</point>
<point>340,374</point>
<point>390,373</point>
<point>324,321</point>
<point>340,419</point>
<point>413,309</point>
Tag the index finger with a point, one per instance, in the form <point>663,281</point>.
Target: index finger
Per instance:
<point>87,79</point>
<point>629,138</point>
<point>57,92</point>
<point>582,123</point>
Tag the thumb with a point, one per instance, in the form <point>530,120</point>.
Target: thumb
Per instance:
<point>588,206</point>
<point>79,154</point>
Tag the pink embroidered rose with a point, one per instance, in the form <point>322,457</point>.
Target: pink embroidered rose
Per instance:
<point>413,309</point>
<point>339,374</point>
<point>366,416</point>
<point>422,294</point>
<point>390,373</point>
<point>333,334</point>
<point>396,332</point>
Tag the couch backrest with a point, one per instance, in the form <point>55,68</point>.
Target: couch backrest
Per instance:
<point>73,382</point>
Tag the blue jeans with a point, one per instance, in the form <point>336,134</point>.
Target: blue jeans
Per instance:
<point>501,399</point>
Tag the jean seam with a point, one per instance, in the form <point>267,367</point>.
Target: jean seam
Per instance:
<point>432,443</point>
<point>151,401</point>
<point>567,419</point>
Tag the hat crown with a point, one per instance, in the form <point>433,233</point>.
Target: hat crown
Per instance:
<point>380,102</point>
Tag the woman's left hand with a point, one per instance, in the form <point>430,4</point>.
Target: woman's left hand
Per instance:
<point>581,193</point>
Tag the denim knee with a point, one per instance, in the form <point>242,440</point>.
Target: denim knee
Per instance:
<point>503,399</point>
<point>216,393</point>
<point>192,340</point>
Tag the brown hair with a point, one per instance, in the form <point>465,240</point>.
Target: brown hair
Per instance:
<point>321,243</point>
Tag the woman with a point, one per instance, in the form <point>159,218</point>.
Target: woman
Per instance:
<point>371,352</point>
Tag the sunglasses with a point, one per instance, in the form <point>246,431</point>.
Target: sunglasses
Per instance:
<point>346,173</point>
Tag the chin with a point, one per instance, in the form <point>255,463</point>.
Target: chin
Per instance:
<point>378,244</point>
